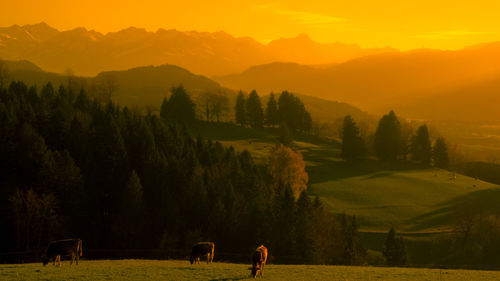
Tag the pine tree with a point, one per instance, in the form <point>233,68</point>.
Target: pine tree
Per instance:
<point>271,111</point>
<point>254,112</point>
<point>285,137</point>
<point>240,109</point>
<point>440,154</point>
<point>128,222</point>
<point>305,245</point>
<point>180,108</point>
<point>354,253</point>
<point>353,146</point>
<point>421,146</point>
<point>394,249</point>
<point>164,108</point>
<point>387,141</point>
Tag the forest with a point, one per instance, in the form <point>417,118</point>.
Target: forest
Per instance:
<point>74,166</point>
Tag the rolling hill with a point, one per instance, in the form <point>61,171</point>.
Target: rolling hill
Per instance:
<point>405,195</point>
<point>398,81</point>
<point>147,86</point>
<point>88,52</point>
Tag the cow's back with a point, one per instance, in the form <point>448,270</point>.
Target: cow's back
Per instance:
<point>65,247</point>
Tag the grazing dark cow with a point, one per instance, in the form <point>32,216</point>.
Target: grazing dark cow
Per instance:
<point>259,259</point>
<point>202,249</point>
<point>67,247</point>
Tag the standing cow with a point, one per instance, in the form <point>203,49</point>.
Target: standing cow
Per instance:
<point>259,259</point>
<point>67,247</point>
<point>202,249</point>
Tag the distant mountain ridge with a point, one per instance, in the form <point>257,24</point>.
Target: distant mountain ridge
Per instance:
<point>88,52</point>
<point>146,86</point>
<point>412,81</point>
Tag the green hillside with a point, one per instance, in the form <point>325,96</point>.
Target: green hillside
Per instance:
<point>404,195</point>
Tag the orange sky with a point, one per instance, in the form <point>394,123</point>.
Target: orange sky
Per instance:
<point>401,24</point>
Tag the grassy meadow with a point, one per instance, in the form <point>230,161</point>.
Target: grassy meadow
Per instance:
<point>182,270</point>
<point>418,201</point>
<point>406,195</point>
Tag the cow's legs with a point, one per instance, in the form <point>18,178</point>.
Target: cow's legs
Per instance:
<point>262,269</point>
<point>77,258</point>
<point>58,260</point>
<point>208,258</point>
<point>72,259</point>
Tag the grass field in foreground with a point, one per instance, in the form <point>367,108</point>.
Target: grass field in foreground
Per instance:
<point>182,270</point>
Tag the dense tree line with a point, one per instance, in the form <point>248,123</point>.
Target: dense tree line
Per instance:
<point>288,111</point>
<point>72,166</point>
<point>390,145</point>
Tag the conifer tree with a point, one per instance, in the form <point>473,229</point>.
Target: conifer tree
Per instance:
<point>394,249</point>
<point>440,154</point>
<point>271,111</point>
<point>421,146</point>
<point>353,146</point>
<point>254,112</point>
<point>164,108</point>
<point>387,141</point>
<point>180,108</point>
<point>240,109</point>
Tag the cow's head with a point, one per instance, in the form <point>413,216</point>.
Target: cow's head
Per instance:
<point>45,260</point>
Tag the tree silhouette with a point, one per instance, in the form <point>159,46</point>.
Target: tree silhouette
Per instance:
<point>394,249</point>
<point>179,107</point>
<point>254,112</point>
<point>353,146</point>
<point>272,116</point>
<point>421,149</point>
<point>440,154</point>
<point>387,141</point>
<point>240,109</point>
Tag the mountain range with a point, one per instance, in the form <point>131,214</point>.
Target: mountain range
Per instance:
<point>420,83</point>
<point>88,52</point>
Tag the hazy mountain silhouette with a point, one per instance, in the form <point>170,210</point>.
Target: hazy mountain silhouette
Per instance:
<point>88,52</point>
<point>381,82</point>
<point>147,86</point>
<point>302,49</point>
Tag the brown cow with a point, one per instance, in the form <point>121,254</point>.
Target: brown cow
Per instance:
<point>259,259</point>
<point>202,249</point>
<point>67,247</point>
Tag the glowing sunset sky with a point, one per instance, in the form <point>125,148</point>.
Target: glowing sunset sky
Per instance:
<point>401,24</point>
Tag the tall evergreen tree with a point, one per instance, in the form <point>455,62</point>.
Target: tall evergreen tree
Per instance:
<point>440,154</point>
<point>254,112</point>
<point>354,253</point>
<point>387,141</point>
<point>421,146</point>
<point>353,146</point>
<point>394,249</point>
<point>292,112</point>
<point>272,111</point>
<point>180,108</point>
<point>240,109</point>
<point>164,108</point>
<point>131,211</point>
